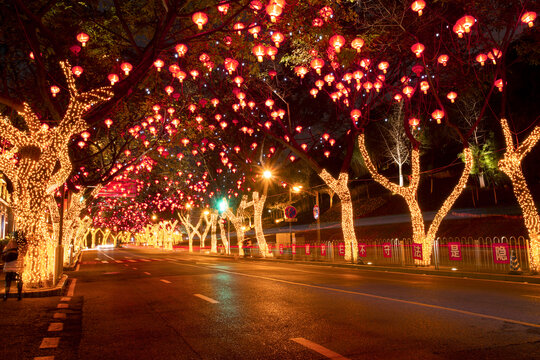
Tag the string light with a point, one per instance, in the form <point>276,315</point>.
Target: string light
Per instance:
<point>409,194</point>
<point>341,187</point>
<point>510,164</point>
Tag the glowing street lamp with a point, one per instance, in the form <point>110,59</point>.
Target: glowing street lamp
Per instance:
<point>267,174</point>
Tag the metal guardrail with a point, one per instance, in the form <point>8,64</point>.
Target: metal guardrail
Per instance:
<point>489,254</point>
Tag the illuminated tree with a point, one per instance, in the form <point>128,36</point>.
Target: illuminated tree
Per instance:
<point>238,222</point>
<point>37,164</point>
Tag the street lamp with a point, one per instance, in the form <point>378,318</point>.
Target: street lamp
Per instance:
<point>267,174</point>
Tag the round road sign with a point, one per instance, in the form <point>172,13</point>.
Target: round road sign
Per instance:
<point>316,211</point>
<point>290,212</point>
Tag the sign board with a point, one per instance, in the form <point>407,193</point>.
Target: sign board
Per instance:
<point>454,251</point>
<point>323,250</point>
<point>316,212</point>
<point>362,249</point>
<point>417,251</point>
<point>308,249</point>
<point>501,253</point>
<point>294,248</point>
<point>387,250</point>
<point>341,249</point>
<point>290,212</point>
<point>281,249</point>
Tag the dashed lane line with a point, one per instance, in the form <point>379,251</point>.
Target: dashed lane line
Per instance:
<point>147,273</point>
<point>62,306</point>
<point>56,326</point>
<point>65,298</point>
<point>111,273</point>
<point>110,257</point>
<point>59,316</point>
<point>104,262</point>
<point>165,281</point>
<point>464,312</point>
<point>320,349</point>
<point>533,296</point>
<point>49,343</point>
<point>210,300</point>
<point>44,358</point>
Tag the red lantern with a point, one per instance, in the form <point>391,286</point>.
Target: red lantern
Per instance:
<point>414,122</point>
<point>301,71</point>
<point>159,64</point>
<point>451,96</point>
<point>126,68</point>
<point>383,66</point>
<point>355,114</point>
<point>83,38</point>
<point>259,51</point>
<point>271,51</point>
<point>437,115</point>
<point>274,10</point>
<point>181,49</point>
<point>108,122</point>
<point>418,49</point>
<point>337,41</point>
<point>424,86</point>
<point>443,59</point>
<point>317,65</point>
<point>418,6</point>
<point>200,19</point>
<point>357,44</point>
<point>481,58</point>
<point>528,18</point>
<point>277,38</point>
<point>77,71</point>
<point>55,90</point>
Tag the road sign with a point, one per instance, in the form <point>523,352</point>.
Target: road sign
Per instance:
<point>316,212</point>
<point>290,212</point>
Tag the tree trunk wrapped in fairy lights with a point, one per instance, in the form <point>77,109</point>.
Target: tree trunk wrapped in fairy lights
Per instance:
<point>341,187</point>
<point>213,237</point>
<point>191,230</point>
<point>37,164</point>
<point>410,195</point>
<point>258,207</point>
<point>510,164</point>
<point>224,236</point>
<point>238,223</point>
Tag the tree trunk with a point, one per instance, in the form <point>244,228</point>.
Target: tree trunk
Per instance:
<point>258,207</point>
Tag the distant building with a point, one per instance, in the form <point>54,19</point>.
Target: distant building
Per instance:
<point>6,215</point>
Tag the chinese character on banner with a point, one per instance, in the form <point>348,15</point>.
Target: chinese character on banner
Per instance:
<point>308,250</point>
<point>280,249</point>
<point>417,251</point>
<point>387,250</point>
<point>294,248</point>
<point>269,248</point>
<point>454,251</point>
<point>362,250</point>
<point>323,249</point>
<point>341,249</point>
<point>501,253</point>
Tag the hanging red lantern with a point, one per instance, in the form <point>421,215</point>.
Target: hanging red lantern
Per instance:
<point>443,59</point>
<point>383,65</point>
<point>54,90</point>
<point>481,58</point>
<point>259,51</point>
<point>314,92</point>
<point>108,122</point>
<point>357,44</point>
<point>424,86</point>
<point>271,51</point>
<point>277,38</point>
<point>274,11</point>
<point>317,65</point>
<point>528,18</point>
<point>355,114</point>
<point>181,49</point>
<point>77,70</point>
<point>301,71</point>
<point>83,38</point>
<point>418,6</point>
<point>437,115</point>
<point>200,19</point>
<point>126,68</point>
<point>451,96</point>
<point>337,41</point>
<point>418,49</point>
<point>169,90</point>
<point>254,30</point>
<point>159,64</point>
<point>414,122</point>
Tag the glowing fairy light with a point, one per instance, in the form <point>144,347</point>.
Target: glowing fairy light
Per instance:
<point>510,164</point>
<point>34,176</point>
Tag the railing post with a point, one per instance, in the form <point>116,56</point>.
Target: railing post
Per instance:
<point>477,254</point>
<point>436,253</point>
<point>402,251</point>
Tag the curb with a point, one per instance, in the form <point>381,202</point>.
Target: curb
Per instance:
<point>45,292</point>
<point>72,267</point>
<point>417,271</point>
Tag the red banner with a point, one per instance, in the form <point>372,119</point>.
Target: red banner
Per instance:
<point>323,250</point>
<point>387,250</point>
<point>501,253</point>
<point>308,249</point>
<point>417,251</point>
<point>362,250</point>
<point>454,251</point>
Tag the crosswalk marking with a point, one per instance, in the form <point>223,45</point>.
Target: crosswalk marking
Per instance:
<point>165,281</point>
<point>56,327</point>
<point>49,343</point>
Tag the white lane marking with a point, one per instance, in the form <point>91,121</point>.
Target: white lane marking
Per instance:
<point>111,273</point>
<point>56,327</point>
<point>104,262</point>
<point>147,273</point>
<point>44,358</point>
<point>533,296</point>
<point>107,256</point>
<point>134,268</point>
<point>59,316</point>
<point>118,261</point>
<point>65,298</point>
<point>320,349</point>
<point>465,312</point>
<point>62,306</point>
<point>165,281</point>
<point>210,300</point>
<point>132,261</point>
<point>71,288</point>
<point>145,260</point>
<point>49,343</point>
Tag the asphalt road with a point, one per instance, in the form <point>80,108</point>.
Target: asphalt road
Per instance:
<point>149,304</point>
